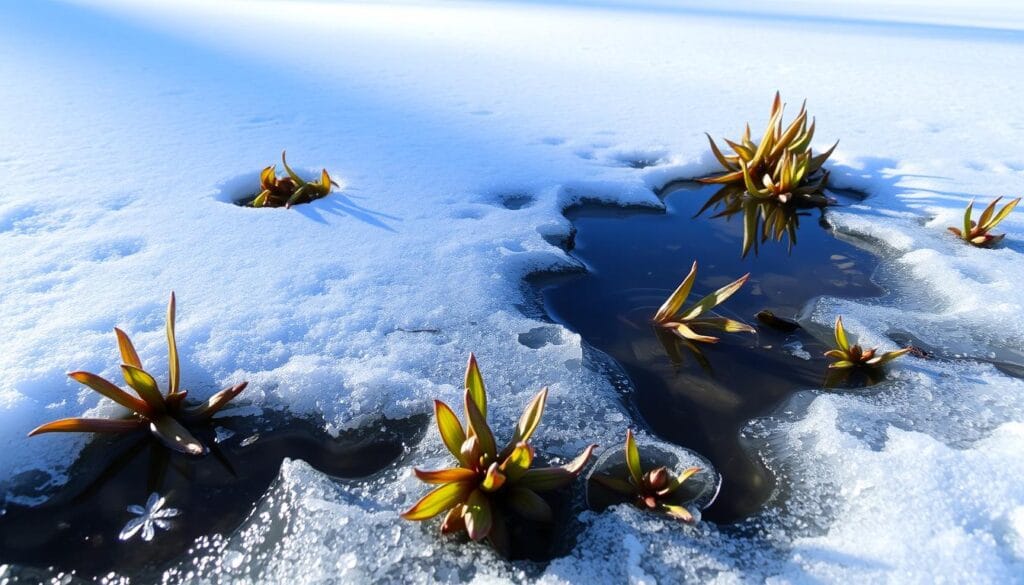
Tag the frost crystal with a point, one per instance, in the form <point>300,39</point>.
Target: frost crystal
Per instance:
<point>149,518</point>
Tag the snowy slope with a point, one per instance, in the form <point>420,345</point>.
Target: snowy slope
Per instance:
<point>127,126</point>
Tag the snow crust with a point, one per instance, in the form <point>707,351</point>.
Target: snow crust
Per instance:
<point>461,131</point>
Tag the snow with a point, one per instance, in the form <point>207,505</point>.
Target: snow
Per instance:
<point>461,131</point>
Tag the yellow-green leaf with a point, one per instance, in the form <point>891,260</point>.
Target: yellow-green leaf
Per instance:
<point>633,459</point>
<point>477,427</point>
<point>475,385</point>
<point>718,154</point>
<point>986,215</point>
<point>298,180</point>
<point>1005,211</point>
<point>842,364</point>
<point>677,512</point>
<point>439,500</point>
<point>678,481</point>
<point>685,332</point>
<point>714,299</point>
<point>450,428</point>
<point>841,339</point>
<point>531,417</point>
<point>145,385</point>
<point>675,301</point>
<point>518,461</point>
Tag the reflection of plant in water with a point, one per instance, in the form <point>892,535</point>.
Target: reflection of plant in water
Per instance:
<point>673,345</point>
<point>290,190</point>
<point>488,481</point>
<point>852,377</point>
<point>651,490</point>
<point>976,233</point>
<point>781,166</point>
<point>165,415</point>
<point>763,219</point>
<point>672,317</point>
<point>147,519</point>
<point>850,356</point>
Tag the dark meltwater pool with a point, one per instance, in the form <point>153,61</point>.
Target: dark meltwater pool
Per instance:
<point>702,399</point>
<point>78,529</point>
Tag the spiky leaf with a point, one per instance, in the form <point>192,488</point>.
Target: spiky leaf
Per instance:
<point>88,425</point>
<point>550,478</point>
<point>841,339</point>
<point>675,301</point>
<point>518,461</point>
<point>172,348</point>
<point>439,500</point>
<point>453,475</point>
<point>714,299</point>
<point>478,428</point>
<point>633,459</point>
<point>475,385</point>
<point>145,385</point>
<point>128,353</point>
<point>111,391</point>
<point>450,428</point>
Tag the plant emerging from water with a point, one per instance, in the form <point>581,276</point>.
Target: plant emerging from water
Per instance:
<point>673,317</point>
<point>487,481</point>
<point>781,166</point>
<point>651,490</point>
<point>851,356</point>
<point>977,233</point>
<point>290,190</point>
<point>164,414</point>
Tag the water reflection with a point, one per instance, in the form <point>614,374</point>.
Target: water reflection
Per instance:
<point>762,219</point>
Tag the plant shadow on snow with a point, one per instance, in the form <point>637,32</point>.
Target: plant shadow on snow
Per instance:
<point>78,528</point>
<point>701,398</point>
<point>242,189</point>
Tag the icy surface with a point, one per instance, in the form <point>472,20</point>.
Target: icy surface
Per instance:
<point>461,130</point>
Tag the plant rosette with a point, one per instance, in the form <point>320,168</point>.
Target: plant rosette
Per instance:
<point>697,493</point>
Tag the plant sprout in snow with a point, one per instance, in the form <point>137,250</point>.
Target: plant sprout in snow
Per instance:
<point>164,414</point>
<point>147,519</point>
<point>673,317</point>
<point>487,481</point>
<point>781,166</point>
<point>649,490</point>
<point>849,356</point>
<point>290,190</point>
<point>977,233</point>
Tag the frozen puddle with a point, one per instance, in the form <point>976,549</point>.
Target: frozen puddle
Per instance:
<point>77,529</point>
<point>703,400</point>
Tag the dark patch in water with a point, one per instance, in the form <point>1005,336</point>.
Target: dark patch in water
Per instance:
<point>77,530</point>
<point>702,399</point>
